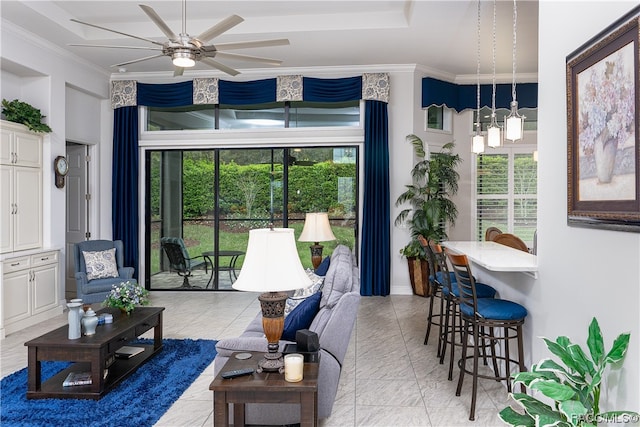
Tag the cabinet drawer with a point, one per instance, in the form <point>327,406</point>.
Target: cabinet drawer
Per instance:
<point>150,323</point>
<point>120,341</point>
<point>44,258</point>
<point>16,264</point>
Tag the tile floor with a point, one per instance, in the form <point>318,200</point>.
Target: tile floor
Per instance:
<point>389,377</point>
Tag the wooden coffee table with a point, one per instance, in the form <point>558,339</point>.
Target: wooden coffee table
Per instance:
<point>93,354</point>
<point>266,387</point>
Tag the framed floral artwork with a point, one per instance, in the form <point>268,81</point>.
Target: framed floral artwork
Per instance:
<point>603,150</point>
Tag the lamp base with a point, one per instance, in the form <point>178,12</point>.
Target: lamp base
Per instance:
<point>316,254</point>
<point>272,362</point>
<point>272,305</point>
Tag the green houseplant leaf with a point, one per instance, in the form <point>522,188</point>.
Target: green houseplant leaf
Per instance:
<point>21,112</point>
<point>572,389</point>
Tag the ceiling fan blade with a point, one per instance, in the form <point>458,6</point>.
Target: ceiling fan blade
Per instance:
<point>117,32</point>
<point>159,22</point>
<point>219,66</point>
<point>138,60</point>
<point>247,58</point>
<point>253,43</point>
<point>222,26</point>
<point>117,47</point>
<point>178,71</point>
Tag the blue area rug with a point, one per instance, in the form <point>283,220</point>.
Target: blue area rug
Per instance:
<point>140,400</point>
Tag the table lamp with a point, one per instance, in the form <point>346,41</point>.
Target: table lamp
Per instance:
<point>316,229</point>
<point>272,266</point>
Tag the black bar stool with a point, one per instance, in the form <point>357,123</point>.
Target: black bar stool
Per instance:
<point>479,315</point>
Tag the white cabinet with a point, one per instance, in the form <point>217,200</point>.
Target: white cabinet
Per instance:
<point>21,185</point>
<point>29,290</point>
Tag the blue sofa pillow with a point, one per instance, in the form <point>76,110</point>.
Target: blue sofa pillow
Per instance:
<point>323,267</point>
<point>301,317</point>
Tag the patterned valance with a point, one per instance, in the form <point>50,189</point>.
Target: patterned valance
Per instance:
<point>289,88</point>
<point>375,86</point>
<point>124,93</point>
<point>371,87</point>
<point>205,91</point>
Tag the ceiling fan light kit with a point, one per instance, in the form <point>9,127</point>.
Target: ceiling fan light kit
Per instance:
<point>183,58</point>
<point>185,50</point>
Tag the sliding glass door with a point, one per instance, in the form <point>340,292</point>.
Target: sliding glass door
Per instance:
<point>201,205</point>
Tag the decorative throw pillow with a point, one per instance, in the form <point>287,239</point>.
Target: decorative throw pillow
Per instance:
<point>101,264</point>
<point>323,267</point>
<point>300,295</point>
<point>301,317</point>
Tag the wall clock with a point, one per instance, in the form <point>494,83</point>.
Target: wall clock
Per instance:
<point>61,168</point>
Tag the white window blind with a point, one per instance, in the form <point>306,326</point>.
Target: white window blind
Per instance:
<point>506,192</point>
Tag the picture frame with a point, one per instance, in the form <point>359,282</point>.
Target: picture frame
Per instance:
<point>603,128</point>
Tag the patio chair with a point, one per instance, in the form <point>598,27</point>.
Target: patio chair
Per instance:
<point>179,259</point>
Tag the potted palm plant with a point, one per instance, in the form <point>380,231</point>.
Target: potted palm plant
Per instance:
<point>434,180</point>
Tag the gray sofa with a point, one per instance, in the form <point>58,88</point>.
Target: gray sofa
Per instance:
<point>333,324</point>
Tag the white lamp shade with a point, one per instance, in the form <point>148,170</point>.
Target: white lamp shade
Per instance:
<point>271,263</point>
<point>316,228</point>
<point>477,144</point>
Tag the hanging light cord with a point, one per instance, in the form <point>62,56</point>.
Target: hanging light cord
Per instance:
<point>493,94</point>
<point>515,20</point>
<point>478,77</point>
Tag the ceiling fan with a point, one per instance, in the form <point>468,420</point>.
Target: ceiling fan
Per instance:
<point>185,50</point>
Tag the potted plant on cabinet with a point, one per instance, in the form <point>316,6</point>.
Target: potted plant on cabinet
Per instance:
<point>24,113</point>
<point>574,389</point>
<point>434,180</point>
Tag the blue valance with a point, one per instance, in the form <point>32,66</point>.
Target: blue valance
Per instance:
<point>165,95</point>
<point>247,93</point>
<point>462,97</point>
<point>332,90</point>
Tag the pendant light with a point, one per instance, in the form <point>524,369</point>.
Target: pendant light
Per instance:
<point>514,122</point>
<point>477,142</point>
<point>494,138</point>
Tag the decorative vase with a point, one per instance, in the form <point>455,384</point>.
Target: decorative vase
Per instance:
<point>604,153</point>
<point>124,311</point>
<point>89,322</point>
<point>74,316</point>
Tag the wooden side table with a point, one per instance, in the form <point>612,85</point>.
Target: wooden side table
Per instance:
<point>266,387</point>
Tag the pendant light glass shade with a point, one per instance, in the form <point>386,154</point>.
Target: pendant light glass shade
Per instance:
<point>494,138</point>
<point>514,123</point>
<point>477,144</point>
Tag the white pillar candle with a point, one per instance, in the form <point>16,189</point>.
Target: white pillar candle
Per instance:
<point>293,367</point>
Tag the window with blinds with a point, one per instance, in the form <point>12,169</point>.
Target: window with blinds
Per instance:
<point>506,192</point>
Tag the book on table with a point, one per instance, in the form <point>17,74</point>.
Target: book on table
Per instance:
<point>127,351</point>
<point>77,378</point>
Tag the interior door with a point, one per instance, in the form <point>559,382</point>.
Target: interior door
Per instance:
<point>77,209</point>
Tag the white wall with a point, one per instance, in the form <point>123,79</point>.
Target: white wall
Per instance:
<point>583,272</point>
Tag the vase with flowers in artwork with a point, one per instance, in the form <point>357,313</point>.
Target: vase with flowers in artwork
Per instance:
<point>606,110</point>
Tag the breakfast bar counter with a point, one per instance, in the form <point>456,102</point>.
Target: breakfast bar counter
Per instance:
<point>496,257</point>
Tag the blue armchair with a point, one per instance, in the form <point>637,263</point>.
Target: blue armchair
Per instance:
<point>96,290</point>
